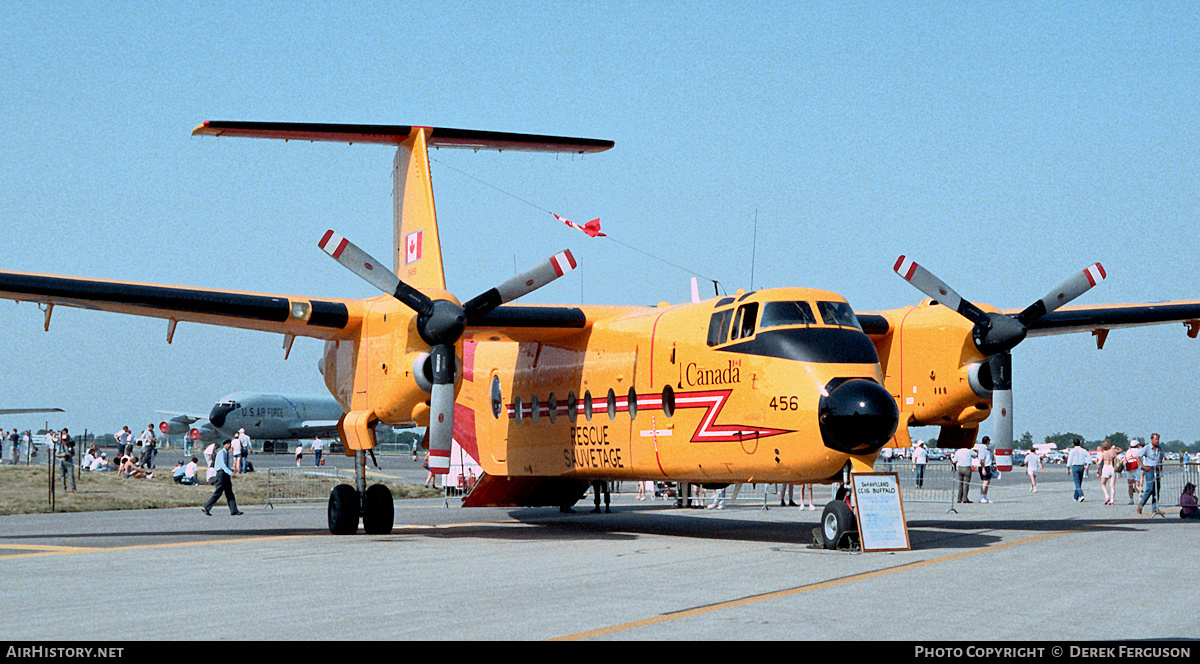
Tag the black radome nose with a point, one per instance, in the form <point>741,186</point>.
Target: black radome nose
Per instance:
<point>218,413</point>
<point>858,417</point>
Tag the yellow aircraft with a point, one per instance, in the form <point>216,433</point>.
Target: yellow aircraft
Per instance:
<point>783,385</point>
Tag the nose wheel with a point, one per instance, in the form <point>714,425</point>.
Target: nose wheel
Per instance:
<point>838,524</point>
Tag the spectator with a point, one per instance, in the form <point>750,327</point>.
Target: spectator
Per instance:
<point>987,467</point>
<point>1133,468</point>
<point>319,449</point>
<point>129,469</point>
<point>64,451</point>
<point>88,460</point>
<point>920,457</point>
<point>299,452</point>
<point>148,442</point>
<point>600,487</point>
<point>962,467</point>
<point>1108,471</point>
<point>1078,459</point>
<point>224,482</point>
<point>1151,459</point>
<point>177,473</point>
<point>1187,502</point>
<point>100,463</point>
<point>1033,466</point>
<point>189,473</point>
<point>124,439</point>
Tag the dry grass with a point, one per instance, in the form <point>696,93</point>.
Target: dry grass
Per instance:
<point>25,490</point>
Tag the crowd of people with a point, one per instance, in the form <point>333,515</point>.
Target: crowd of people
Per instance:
<point>1141,465</point>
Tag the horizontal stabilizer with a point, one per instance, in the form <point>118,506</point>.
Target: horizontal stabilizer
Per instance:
<point>438,137</point>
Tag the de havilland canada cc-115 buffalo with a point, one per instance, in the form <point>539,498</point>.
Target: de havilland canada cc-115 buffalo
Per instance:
<point>781,385</point>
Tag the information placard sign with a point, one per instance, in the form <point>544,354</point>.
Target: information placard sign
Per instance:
<point>880,512</point>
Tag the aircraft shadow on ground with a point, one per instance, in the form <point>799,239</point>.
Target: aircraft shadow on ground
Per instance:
<point>128,538</point>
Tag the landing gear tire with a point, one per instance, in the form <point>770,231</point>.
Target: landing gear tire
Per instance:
<point>343,510</point>
<point>379,510</point>
<point>837,522</point>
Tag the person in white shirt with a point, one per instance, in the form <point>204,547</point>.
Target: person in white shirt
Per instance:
<point>985,467</point>
<point>189,472</point>
<point>124,441</point>
<point>1078,459</point>
<point>920,457</point>
<point>1033,466</point>
<point>962,464</point>
<point>318,450</point>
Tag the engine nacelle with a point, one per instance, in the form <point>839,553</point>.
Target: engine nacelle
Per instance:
<point>390,356</point>
<point>932,367</point>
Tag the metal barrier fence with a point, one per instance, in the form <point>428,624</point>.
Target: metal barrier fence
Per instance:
<point>295,485</point>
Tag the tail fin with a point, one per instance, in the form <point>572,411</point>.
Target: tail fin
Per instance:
<point>417,245</point>
<point>418,250</point>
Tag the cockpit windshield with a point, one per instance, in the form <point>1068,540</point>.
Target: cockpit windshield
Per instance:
<point>838,313</point>
<point>776,314</point>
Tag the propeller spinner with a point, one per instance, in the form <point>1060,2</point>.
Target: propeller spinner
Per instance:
<point>996,334</point>
<point>441,323</point>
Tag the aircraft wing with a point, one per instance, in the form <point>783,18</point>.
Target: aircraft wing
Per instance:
<point>1072,319</point>
<point>312,428</point>
<point>284,314</point>
<point>1111,316</point>
<point>22,411</point>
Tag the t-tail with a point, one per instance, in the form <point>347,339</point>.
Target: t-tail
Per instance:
<point>417,249</point>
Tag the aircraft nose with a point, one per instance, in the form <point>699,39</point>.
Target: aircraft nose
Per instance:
<point>858,417</point>
<point>219,411</point>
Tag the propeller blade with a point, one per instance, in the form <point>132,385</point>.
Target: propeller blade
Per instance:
<point>441,408</point>
<point>927,283</point>
<point>372,271</point>
<point>1002,408</point>
<point>1076,285</point>
<point>521,284</point>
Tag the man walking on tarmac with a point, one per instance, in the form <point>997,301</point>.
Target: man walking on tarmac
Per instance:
<point>224,482</point>
<point>1151,459</point>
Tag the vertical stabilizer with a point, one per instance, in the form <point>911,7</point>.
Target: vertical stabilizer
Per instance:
<point>418,259</point>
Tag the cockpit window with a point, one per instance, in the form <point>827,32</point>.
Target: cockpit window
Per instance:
<point>718,327</point>
<point>743,321</point>
<point>838,313</point>
<point>776,314</point>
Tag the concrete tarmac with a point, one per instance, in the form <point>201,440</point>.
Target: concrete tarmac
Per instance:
<point>1027,567</point>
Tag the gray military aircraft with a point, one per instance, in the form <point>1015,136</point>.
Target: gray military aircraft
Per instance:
<point>263,416</point>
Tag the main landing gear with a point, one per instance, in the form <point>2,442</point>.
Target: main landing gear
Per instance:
<point>374,504</point>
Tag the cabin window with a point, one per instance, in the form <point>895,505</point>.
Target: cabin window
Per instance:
<point>497,403</point>
<point>668,401</point>
<point>612,404</point>
<point>776,314</point>
<point>718,327</point>
<point>838,313</point>
<point>743,321</point>
<point>632,399</point>
<point>517,409</point>
<point>533,409</point>
<point>572,407</point>
<point>552,406</point>
<point>587,405</point>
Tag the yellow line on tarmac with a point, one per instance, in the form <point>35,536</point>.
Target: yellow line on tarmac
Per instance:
<point>778,594</point>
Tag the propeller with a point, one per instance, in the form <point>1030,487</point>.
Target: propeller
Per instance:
<point>996,334</point>
<point>441,323</point>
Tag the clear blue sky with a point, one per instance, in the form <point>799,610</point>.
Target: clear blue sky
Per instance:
<point>1002,145</point>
